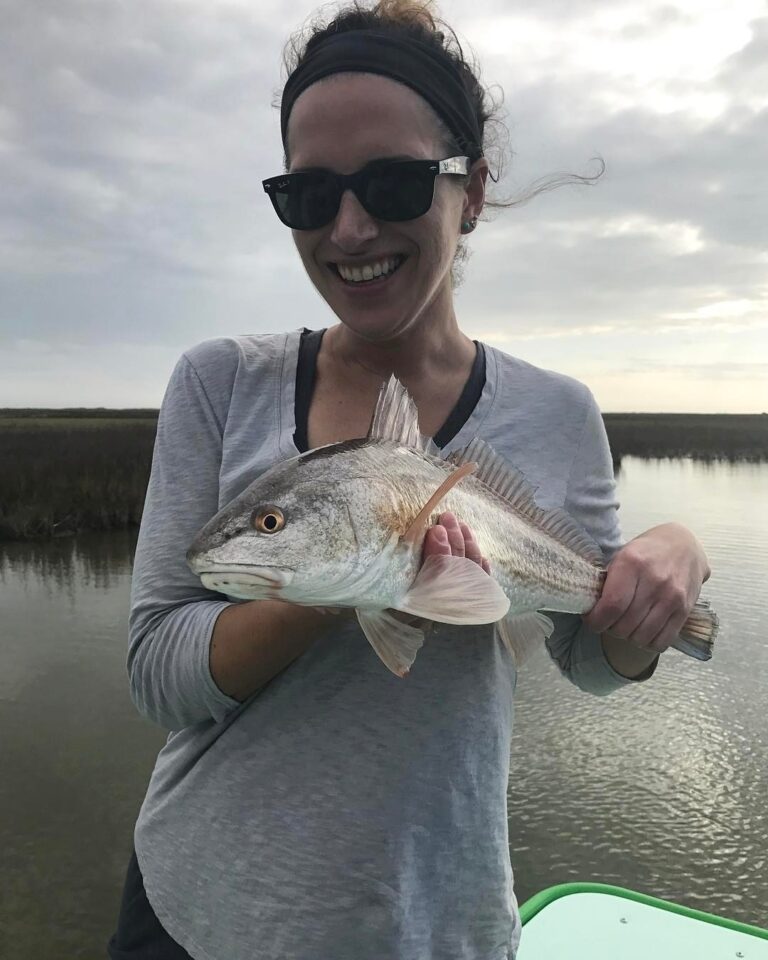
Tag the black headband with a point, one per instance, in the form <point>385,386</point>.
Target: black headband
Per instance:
<point>416,64</point>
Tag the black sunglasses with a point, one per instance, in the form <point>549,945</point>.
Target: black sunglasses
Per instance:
<point>387,189</point>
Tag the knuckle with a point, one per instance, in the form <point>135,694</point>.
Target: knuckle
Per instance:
<point>679,598</point>
<point>631,557</point>
<point>656,580</point>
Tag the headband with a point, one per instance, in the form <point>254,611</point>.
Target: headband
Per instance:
<point>412,62</point>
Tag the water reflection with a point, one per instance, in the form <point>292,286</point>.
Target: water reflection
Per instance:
<point>75,755</point>
<point>660,787</point>
<point>88,559</point>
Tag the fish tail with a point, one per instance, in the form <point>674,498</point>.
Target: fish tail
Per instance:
<point>698,632</point>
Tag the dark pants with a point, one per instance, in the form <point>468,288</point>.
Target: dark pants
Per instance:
<point>139,935</point>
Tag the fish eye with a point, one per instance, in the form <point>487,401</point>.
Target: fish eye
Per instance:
<point>268,519</point>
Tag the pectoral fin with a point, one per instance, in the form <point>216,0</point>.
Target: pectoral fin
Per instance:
<point>523,632</point>
<point>395,642</point>
<point>413,532</point>
<point>455,590</point>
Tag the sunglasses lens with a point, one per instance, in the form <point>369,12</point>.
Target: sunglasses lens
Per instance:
<point>399,191</point>
<point>307,201</point>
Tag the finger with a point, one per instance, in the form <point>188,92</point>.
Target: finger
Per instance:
<point>471,546</point>
<point>436,543</point>
<point>651,627</point>
<point>616,598</point>
<point>669,633</point>
<point>669,606</point>
<point>486,566</point>
<point>455,536</point>
<point>636,613</point>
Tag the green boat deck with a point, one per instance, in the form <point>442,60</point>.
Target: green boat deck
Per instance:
<point>595,921</point>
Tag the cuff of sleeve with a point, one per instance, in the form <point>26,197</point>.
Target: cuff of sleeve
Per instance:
<point>219,703</point>
<point>595,671</point>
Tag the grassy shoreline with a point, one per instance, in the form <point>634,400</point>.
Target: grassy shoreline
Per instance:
<point>63,471</point>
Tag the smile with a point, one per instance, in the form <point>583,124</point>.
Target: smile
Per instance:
<point>375,272</point>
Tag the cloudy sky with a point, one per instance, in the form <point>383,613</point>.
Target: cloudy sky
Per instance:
<point>134,135</point>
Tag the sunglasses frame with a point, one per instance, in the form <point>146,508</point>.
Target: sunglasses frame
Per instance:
<point>356,182</point>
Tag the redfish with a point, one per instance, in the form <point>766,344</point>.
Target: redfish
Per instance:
<point>343,526</point>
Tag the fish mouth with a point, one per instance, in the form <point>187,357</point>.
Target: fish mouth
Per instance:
<point>246,582</point>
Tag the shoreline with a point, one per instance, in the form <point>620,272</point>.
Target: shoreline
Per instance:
<point>64,472</point>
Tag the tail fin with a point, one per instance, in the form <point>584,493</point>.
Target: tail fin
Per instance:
<point>698,632</point>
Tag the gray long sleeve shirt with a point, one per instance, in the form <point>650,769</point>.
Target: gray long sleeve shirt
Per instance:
<point>340,813</point>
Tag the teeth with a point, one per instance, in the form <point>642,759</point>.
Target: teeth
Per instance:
<point>369,271</point>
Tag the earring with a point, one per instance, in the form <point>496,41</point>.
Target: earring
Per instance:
<point>467,226</point>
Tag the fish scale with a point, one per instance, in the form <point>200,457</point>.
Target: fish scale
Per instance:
<point>533,569</point>
<point>347,528</point>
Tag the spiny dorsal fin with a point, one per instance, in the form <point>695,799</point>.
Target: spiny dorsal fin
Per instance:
<point>513,487</point>
<point>396,418</point>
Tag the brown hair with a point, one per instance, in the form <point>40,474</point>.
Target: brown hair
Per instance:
<point>416,19</point>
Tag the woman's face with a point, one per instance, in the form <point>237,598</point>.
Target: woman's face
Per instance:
<point>341,123</point>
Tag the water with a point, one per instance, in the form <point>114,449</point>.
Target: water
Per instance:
<point>660,788</point>
<point>75,755</point>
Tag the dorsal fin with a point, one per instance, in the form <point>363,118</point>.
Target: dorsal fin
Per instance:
<point>396,418</point>
<point>513,487</point>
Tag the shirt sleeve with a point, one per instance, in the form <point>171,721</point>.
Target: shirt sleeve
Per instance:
<point>172,615</point>
<point>591,501</point>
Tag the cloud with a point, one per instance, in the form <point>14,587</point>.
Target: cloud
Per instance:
<point>136,136</point>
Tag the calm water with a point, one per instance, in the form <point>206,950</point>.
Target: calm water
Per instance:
<point>661,788</point>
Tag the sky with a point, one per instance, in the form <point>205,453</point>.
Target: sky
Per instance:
<point>134,135</point>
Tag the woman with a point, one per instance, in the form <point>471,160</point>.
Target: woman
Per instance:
<point>308,805</point>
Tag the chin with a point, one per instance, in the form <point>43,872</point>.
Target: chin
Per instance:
<point>375,328</point>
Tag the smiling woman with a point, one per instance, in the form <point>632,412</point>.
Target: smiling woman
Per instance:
<point>308,803</point>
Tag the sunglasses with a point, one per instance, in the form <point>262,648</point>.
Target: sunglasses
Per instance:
<point>390,190</point>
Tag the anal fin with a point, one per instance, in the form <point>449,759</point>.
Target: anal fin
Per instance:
<point>523,632</point>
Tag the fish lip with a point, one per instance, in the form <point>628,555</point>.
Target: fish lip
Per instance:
<point>273,578</point>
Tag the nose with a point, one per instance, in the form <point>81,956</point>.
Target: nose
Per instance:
<point>353,226</point>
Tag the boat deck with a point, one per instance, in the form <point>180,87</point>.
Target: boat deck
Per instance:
<point>592,921</point>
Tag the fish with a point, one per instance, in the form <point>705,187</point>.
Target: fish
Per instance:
<point>343,526</point>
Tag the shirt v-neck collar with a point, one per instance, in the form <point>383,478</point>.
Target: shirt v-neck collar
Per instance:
<point>296,394</point>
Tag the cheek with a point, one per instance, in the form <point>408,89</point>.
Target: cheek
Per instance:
<point>305,247</point>
<point>440,235</point>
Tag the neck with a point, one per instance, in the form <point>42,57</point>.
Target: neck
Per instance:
<point>418,355</point>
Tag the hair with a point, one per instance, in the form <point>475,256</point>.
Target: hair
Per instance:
<point>416,19</point>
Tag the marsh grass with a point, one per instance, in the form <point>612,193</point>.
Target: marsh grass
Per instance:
<point>702,436</point>
<point>59,476</point>
<point>62,471</point>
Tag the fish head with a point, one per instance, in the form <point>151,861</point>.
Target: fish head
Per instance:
<point>318,539</point>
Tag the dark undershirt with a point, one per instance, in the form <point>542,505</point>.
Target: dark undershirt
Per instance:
<point>306,369</point>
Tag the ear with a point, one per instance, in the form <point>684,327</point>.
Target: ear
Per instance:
<point>474,195</point>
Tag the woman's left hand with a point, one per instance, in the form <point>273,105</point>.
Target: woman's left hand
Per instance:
<point>451,537</point>
<point>651,587</point>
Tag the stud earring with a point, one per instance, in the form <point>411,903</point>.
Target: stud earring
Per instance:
<point>467,226</point>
